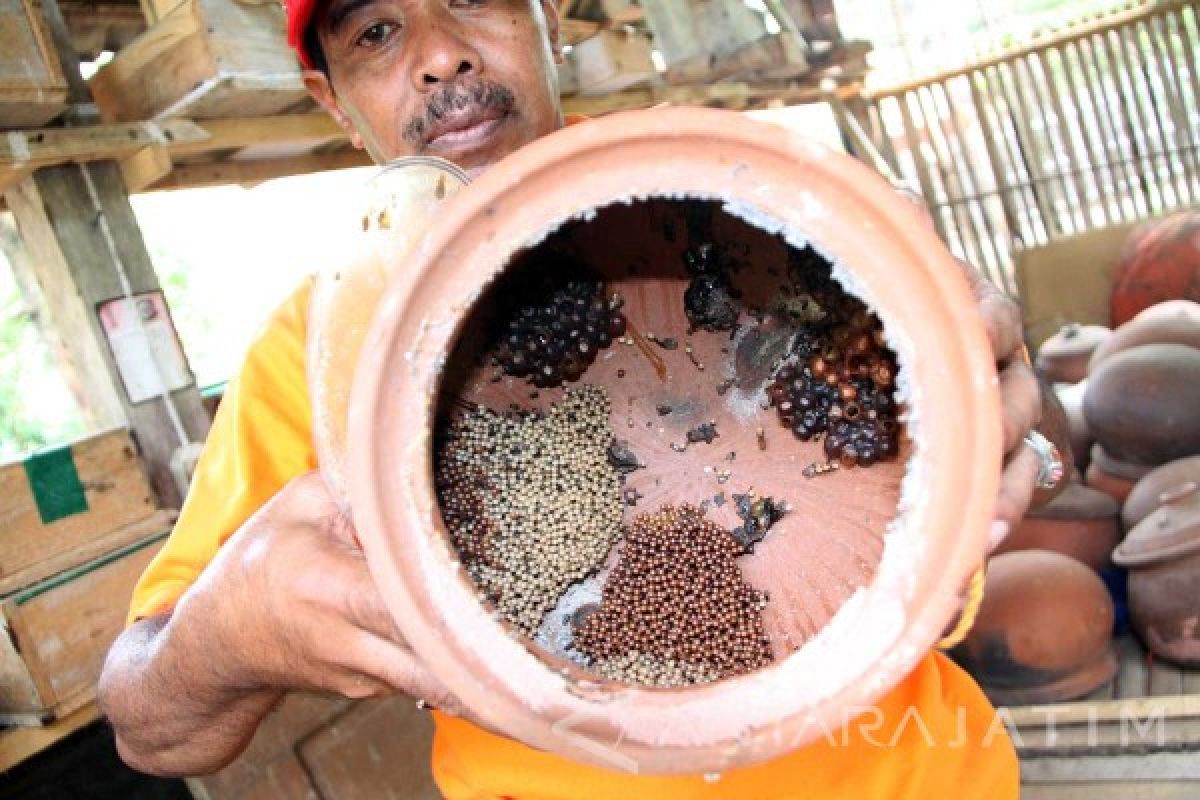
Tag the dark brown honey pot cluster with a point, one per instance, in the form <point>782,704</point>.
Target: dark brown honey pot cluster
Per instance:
<point>839,382</point>
<point>556,332</point>
<point>676,608</point>
<point>535,502</point>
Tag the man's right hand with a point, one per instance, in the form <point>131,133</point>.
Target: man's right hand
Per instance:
<point>288,603</point>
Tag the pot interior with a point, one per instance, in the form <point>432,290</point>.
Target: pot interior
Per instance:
<point>690,408</point>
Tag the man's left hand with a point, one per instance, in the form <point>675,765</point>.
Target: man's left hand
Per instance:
<point>1021,403</point>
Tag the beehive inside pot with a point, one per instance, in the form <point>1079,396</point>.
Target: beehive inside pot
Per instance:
<point>669,444</point>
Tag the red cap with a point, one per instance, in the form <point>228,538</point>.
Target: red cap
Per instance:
<point>299,14</point>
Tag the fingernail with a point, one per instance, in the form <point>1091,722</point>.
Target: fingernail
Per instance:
<point>999,531</point>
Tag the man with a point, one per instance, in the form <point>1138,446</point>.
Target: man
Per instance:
<point>261,588</point>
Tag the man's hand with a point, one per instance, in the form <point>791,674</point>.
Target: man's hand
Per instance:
<point>1020,395</point>
<point>1021,403</point>
<point>287,603</point>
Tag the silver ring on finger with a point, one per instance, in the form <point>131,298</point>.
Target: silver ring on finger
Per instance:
<point>1050,461</point>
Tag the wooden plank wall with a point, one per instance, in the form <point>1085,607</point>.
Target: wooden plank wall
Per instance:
<point>1098,125</point>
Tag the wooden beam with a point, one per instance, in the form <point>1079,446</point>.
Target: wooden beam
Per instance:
<point>145,168</point>
<point>574,31</point>
<point>87,249</point>
<point>732,95</point>
<point>234,134</point>
<point>50,146</point>
<point>251,173</point>
<point>22,151</point>
<point>778,55</point>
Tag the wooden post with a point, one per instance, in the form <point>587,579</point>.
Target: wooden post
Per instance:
<point>100,411</point>
<point>87,249</point>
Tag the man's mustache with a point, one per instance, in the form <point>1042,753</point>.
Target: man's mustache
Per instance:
<point>480,96</point>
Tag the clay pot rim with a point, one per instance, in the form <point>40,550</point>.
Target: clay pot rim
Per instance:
<point>1084,342</point>
<point>1165,314</point>
<point>1140,496</point>
<point>1147,546</point>
<point>1126,470</point>
<point>862,221</point>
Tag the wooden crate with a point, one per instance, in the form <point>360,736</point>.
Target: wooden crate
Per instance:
<point>56,633</point>
<point>64,507</point>
<point>1068,280</point>
<point>32,88</point>
<point>205,59</point>
<point>613,60</point>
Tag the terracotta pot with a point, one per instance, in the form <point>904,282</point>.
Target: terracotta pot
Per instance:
<point>851,609</point>
<point>1172,322</point>
<point>1044,631</point>
<point>1163,557</point>
<point>1114,486</point>
<point>1159,261</point>
<point>1070,396</point>
<point>1064,357</point>
<point>1080,522</point>
<point>1112,476</point>
<point>1126,470</point>
<point>1147,494</point>
<point>1143,404</point>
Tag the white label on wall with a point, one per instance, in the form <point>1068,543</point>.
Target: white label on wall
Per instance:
<point>144,345</point>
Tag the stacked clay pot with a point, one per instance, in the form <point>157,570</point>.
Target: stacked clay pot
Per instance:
<point>1172,322</point>
<point>1147,495</point>
<point>1142,400</point>
<point>1064,357</point>
<point>1162,554</point>
<point>1129,399</point>
<point>1081,522</point>
<point>1112,476</point>
<point>1044,631</point>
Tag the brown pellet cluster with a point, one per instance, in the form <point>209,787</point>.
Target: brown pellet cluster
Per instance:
<point>839,380</point>
<point>676,607</point>
<point>531,500</point>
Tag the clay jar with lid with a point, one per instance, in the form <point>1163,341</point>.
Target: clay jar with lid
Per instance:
<point>1143,404</point>
<point>1081,523</point>
<point>1172,322</point>
<point>1162,555</point>
<point>861,585</point>
<point>1149,492</point>
<point>1064,357</point>
<point>1044,631</point>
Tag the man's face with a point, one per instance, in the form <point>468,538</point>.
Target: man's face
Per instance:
<point>467,80</point>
